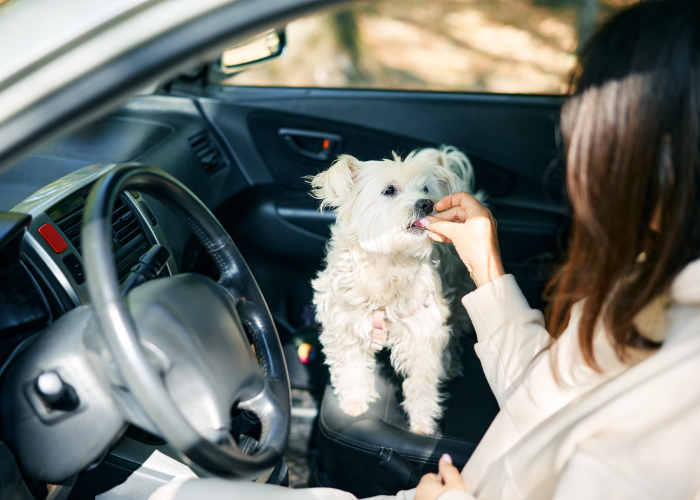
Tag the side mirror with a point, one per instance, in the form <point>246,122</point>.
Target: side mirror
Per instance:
<point>261,48</point>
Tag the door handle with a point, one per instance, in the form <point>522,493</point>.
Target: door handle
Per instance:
<point>314,145</point>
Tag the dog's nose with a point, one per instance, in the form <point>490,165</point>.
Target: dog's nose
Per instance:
<point>424,206</point>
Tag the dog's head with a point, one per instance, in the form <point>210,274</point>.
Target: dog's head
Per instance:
<point>378,203</point>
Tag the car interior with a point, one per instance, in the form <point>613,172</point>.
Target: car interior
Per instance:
<point>244,151</point>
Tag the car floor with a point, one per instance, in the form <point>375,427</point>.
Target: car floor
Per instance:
<point>298,456</point>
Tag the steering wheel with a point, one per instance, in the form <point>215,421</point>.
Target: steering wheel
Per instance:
<point>182,344</point>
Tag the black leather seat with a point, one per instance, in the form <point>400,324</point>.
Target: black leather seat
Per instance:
<point>347,446</point>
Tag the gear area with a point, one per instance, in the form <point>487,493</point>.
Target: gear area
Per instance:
<point>301,450</point>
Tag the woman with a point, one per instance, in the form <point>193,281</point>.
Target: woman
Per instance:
<point>607,404</point>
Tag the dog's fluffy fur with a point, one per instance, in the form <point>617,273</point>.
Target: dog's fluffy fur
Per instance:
<point>377,258</point>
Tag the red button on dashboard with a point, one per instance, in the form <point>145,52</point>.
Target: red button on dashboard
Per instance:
<point>55,241</point>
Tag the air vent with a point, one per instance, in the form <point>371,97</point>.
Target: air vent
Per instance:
<point>208,152</point>
<point>126,228</point>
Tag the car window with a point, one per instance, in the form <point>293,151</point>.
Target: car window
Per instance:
<point>513,46</point>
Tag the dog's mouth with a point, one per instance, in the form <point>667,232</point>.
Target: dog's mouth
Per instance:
<point>416,228</point>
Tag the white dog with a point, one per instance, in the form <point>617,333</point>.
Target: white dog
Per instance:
<point>386,284</point>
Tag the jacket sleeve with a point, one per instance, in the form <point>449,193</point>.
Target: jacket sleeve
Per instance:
<point>510,334</point>
<point>456,495</point>
<point>587,477</point>
<point>410,495</point>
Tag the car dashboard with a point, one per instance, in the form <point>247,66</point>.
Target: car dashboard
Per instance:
<point>53,239</point>
<point>178,141</point>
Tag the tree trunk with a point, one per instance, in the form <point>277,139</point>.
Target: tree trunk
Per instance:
<point>586,21</point>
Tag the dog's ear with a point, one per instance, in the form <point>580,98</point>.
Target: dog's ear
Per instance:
<point>457,162</point>
<point>333,186</point>
<point>448,181</point>
<point>459,175</point>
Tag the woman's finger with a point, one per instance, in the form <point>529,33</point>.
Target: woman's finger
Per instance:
<point>451,214</point>
<point>451,200</point>
<point>427,480</point>
<point>446,229</point>
<point>463,200</point>
<point>429,488</point>
<point>448,472</point>
<point>439,238</point>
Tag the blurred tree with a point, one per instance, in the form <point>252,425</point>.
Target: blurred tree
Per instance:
<point>348,40</point>
<point>586,21</point>
<point>586,14</point>
<point>348,34</point>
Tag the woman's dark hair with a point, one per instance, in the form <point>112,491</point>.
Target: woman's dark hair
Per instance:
<point>631,132</point>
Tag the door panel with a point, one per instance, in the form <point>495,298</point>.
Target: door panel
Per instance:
<point>512,131</point>
<point>281,233</point>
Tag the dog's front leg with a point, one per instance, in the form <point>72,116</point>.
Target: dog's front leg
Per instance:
<point>421,389</point>
<point>351,366</point>
<point>421,362</point>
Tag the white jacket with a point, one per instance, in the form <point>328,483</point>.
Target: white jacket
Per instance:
<point>627,433</point>
<point>630,432</point>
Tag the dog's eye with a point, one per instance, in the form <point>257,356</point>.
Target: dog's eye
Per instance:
<point>389,191</point>
<point>425,189</point>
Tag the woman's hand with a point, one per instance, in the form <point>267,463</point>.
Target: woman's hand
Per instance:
<point>469,225</point>
<point>431,486</point>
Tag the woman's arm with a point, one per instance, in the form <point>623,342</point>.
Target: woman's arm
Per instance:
<point>510,334</point>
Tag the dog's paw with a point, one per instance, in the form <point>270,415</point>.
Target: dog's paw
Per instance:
<point>423,427</point>
<point>354,407</point>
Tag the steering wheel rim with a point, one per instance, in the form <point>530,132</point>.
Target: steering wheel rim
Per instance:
<point>271,405</point>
